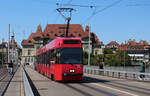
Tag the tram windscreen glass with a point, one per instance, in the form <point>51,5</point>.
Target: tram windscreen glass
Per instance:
<point>71,56</point>
<point>71,42</point>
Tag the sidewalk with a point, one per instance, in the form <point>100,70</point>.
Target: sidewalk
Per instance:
<point>15,87</point>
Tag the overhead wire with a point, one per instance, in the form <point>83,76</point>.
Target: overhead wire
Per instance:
<point>103,9</point>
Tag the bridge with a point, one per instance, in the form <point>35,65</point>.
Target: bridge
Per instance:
<point>28,82</point>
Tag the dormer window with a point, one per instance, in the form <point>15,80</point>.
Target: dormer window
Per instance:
<point>29,41</point>
<point>87,30</point>
<point>71,35</point>
<point>79,35</point>
<point>55,34</point>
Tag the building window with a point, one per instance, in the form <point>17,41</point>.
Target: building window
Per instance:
<point>55,34</point>
<point>29,41</point>
<point>32,59</point>
<point>29,52</point>
<point>25,59</point>
<point>47,34</point>
<point>62,27</point>
<point>28,59</point>
<point>87,30</point>
<point>86,47</point>
<point>79,35</point>
<point>71,35</point>
<point>96,52</point>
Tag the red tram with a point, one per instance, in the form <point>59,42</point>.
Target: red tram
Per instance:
<point>61,59</point>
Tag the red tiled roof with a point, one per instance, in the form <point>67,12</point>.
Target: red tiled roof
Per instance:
<point>132,42</point>
<point>133,45</point>
<point>59,29</point>
<point>112,43</point>
<point>27,42</point>
<point>143,42</point>
<point>12,42</point>
<point>100,43</point>
<point>55,30</point>
<point>39,29</point>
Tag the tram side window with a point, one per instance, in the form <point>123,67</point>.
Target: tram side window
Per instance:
<point>37,59</point>
<point>44,58</point>
<point>41,59</point>
<point>49,57</point>
<point>58,56</point>
<point>52,55</point>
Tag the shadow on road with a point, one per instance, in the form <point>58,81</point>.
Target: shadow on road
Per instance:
<point>87,79</point>
<point>92,80</point>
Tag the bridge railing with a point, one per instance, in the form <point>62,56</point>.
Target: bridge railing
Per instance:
<point>27,87</point>
<point>117,74</point>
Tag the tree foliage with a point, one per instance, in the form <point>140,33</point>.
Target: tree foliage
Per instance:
<point>2,57</point>
<point>120,58</point>
<point>108,51</point>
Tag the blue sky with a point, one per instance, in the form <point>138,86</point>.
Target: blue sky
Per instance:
<point>128,19</point>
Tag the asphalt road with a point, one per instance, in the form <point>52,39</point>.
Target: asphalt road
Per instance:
<point>4,79</point>
<point>92,85</point>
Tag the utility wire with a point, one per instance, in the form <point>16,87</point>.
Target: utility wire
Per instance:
<point>103,9</point>
<point>76,5</point>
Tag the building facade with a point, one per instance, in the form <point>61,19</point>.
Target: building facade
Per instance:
<point>138,51</point>
<point>14,52</point>
<point>113,45</point>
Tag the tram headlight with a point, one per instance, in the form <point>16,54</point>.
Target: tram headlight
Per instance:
<point>72,70</point>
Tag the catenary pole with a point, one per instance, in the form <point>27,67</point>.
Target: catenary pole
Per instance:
<point>89,48</point>
<point>8,41</point>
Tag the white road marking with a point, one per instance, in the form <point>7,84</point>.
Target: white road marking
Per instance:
<point>114,89</point>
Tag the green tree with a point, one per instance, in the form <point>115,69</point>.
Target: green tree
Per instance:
<point>85,57</point>
<point>109,59</point>
<point>108,51</point>
<point>122,58</point>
